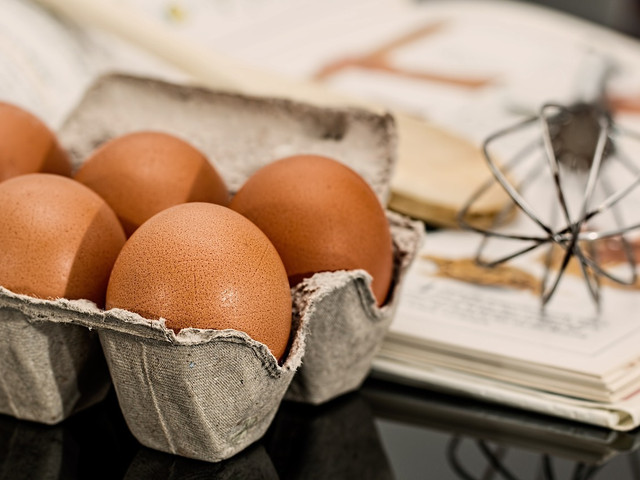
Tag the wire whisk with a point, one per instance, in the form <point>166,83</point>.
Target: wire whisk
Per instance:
<point>567,182</point>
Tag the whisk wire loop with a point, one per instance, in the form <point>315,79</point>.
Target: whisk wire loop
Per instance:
<point>576,141</point>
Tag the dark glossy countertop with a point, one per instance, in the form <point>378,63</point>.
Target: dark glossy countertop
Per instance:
<point>383,431</point>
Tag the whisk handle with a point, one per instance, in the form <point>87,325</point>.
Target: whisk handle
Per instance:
<point>592,78</point>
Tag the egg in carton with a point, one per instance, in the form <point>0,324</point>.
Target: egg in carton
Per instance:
<point>208,394</point>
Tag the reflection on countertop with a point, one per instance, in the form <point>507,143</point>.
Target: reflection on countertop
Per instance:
<point>94,443</point>
<point>383,431</point>
<point>335,440</point>
<point>462,438</point>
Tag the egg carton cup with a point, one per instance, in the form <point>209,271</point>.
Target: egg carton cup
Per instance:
<point>203,394</point>
<point>50,370</point>
<point>346,327</point>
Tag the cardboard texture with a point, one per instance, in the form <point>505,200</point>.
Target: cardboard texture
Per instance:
<point>206,401</point>
<point>205,394</point>
<point>49,370</point>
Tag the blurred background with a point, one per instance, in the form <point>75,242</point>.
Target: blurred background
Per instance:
<point>621,15</point>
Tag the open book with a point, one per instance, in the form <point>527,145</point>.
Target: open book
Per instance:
<point>492,341</point>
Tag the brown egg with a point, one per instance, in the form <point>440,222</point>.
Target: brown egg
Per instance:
<point>143,173</point>
<point>204,266</point>
<point>321,216</point>
<point>28,146</point>
<point>57,238</point>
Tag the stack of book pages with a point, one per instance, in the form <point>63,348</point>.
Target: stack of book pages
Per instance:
<point>483,333</point>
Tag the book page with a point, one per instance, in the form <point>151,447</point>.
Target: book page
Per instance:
<point>48,62</point>
<point>467,66</point>
<point>624,415</point>
<point>504,317</point>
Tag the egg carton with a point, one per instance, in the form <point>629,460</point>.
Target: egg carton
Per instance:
<point>205,394</point>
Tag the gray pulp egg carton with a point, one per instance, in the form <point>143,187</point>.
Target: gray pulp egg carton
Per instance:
<point>205,394</point>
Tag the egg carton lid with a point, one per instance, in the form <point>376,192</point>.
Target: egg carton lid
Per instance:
<point>238,133</point>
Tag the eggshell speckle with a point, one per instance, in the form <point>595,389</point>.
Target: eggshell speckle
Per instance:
<point>204,266</point>
<point>58,239</point>
<point>143,173</point>
<point>320,216</point>
<point>28,146</point>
